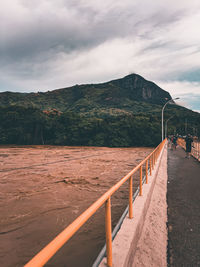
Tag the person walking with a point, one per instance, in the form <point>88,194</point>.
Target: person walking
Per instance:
<point>188,143</point>
<point>174,142</point>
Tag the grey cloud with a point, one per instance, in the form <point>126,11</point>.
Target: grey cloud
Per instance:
<point>48,43</point>
<point>192,100</point>
<point>77,27</point>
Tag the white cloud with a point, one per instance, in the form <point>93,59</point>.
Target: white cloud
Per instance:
<point>188,92</point>
<point>178,88</point>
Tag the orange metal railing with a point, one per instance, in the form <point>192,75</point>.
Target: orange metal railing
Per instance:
<point>47,252</point>
<point>195,152</point>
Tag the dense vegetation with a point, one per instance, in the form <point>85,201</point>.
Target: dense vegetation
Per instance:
<point>124,112</point>
<point>20,125</point>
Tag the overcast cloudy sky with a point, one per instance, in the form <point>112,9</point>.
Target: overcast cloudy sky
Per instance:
<point>49,44</point>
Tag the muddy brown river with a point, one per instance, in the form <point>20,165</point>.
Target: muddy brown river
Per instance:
<point>44,188</point>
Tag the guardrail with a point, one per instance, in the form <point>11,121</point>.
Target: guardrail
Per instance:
<point>47,252</point>
<point>195,152</point>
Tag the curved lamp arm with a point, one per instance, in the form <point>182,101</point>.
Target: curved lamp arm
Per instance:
<point>163,115</point>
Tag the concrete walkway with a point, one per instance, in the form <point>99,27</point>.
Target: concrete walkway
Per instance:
<point>151,249</point>
<point>183,196</point>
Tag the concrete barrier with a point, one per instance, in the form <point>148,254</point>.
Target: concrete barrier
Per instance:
<point>125,243</point>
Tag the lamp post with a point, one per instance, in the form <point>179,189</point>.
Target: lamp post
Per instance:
<point>166,125</point>
<point>163,115</point>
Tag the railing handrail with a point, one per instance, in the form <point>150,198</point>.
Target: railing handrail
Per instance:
<point>49,250</point>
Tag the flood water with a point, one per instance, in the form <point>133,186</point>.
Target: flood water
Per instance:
<point>44,188</point>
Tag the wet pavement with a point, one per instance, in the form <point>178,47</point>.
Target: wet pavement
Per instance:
<point>183,198</point>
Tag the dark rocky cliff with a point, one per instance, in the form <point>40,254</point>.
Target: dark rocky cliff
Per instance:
<point>139,89</point>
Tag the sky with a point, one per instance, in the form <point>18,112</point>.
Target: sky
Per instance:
<point>50,44</point>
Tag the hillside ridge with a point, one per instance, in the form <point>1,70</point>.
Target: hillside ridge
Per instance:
<point>124,112</point>
<point>114,93</point>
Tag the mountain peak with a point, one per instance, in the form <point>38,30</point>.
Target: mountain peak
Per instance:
<point>140,89</point>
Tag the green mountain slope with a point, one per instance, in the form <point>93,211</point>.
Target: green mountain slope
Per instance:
<point>122,112</point>
<point>118,94</point>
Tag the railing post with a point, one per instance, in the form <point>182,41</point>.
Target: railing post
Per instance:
<point>108,232</point>
<point>150,165</point>
<point>196,150</point>
<point>198,147</point>
<point>131,197</point>
<point>147,171</point>
<point>153,161</point>
<point>140,180</point>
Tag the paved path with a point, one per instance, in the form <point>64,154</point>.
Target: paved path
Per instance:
<point>183,198</point>
<point>151,249</point>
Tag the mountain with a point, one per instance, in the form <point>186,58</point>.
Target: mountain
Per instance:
<point>124,93</point>
<point>121,112</point>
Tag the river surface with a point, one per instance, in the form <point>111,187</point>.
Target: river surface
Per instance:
<point>44,188</point>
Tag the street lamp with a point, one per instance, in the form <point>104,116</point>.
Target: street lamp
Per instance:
<point>166,125</point>
<point>163,114</point>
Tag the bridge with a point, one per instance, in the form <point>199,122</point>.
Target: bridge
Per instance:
<point>140,237</point>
